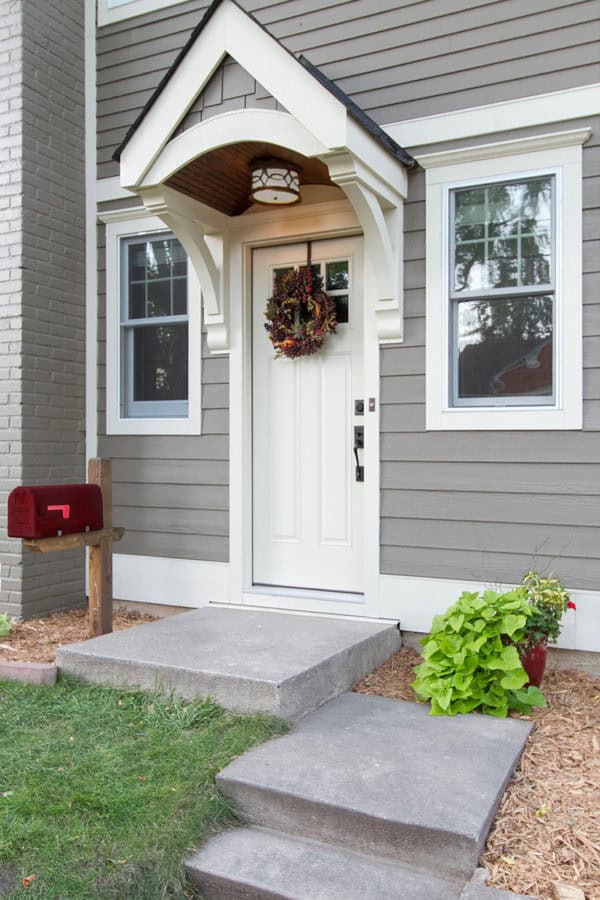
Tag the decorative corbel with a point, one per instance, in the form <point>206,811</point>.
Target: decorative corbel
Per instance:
<point>380,212</point>
<point>207,250</point>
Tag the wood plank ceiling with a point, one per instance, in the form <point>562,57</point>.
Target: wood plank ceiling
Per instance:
<point>221,178</point>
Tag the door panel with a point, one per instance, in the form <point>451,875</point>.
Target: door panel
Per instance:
<point>307,506</point>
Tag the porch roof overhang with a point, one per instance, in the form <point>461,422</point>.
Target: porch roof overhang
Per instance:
<point>320,123</point>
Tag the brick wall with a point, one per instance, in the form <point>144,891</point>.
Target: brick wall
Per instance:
<point>11,190</point>
<point>42,367</point>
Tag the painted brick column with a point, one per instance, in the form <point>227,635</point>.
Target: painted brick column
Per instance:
<point>42,262</point>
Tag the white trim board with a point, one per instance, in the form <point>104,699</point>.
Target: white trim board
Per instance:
<point>110,11</point>
<point>507,115</point>
<point>173,582</point>
<point>91,249</point>
<point>414,601</point>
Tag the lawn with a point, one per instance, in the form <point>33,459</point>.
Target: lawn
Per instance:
<point>103,793</point>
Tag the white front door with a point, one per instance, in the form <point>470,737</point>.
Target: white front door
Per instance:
<point>307,503</point>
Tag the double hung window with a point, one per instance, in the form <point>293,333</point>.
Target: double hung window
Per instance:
<point>504,284</point>
<point>154,326</point>
<point>501,273</point>
<point>153,330</point>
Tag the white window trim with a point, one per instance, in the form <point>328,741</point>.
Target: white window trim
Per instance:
<point>115,10</point>
<point>556,154</point>
<point>115,422</point>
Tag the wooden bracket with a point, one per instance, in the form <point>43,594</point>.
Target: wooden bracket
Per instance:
<point>70,541</point>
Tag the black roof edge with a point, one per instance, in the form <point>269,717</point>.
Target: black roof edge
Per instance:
<point>359,115</point>
<point>354,110</point>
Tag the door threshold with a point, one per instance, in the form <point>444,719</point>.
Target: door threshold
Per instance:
<point>271,590</point>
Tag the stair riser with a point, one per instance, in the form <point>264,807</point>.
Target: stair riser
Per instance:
<point>211,887</point>
<point>427,849</point>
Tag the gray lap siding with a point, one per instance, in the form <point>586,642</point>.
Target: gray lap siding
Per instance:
<point>486,505</point>
<point>397,59</point>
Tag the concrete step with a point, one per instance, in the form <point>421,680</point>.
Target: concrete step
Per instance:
<point>258,864</point>
<point>382,777</point>
<point>246,660</point>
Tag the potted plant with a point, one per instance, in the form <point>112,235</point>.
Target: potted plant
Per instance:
<point>471,659</point>
<point>549,601</point>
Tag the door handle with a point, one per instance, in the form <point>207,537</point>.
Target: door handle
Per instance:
<point>359,443</point>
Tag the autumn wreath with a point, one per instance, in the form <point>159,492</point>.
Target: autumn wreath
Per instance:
<point>299,315</point>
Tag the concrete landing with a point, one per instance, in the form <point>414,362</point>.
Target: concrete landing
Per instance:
<point>246,660</point>
<point>252,863</point>
<point>382,777</point>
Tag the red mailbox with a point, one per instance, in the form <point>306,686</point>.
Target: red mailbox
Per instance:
<point>51,510</point>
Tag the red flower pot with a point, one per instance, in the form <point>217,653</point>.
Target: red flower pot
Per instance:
<point>534,663</point>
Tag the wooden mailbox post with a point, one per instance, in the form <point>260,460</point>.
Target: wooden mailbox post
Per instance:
<point>100,546</point>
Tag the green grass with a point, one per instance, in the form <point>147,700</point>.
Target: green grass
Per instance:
<point>103,793</point>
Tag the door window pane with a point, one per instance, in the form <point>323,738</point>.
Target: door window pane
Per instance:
<point>505,348</point>
<point>341,309</point>
<point>337,276</point>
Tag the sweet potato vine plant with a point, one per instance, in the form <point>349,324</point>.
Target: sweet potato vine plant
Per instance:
<point>471,659</point>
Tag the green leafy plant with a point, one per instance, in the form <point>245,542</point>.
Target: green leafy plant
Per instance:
<point>470,658</point>
<point>5,625</point>
<point>549,601</point>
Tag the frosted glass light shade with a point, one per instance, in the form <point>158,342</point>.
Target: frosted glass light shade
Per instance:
<point>274,182</point>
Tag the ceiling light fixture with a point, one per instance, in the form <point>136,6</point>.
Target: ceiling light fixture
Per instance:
<point>274,182</point>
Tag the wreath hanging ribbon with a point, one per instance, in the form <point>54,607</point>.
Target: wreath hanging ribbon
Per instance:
<point>300,314</point>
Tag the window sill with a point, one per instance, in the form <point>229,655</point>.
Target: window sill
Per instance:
<point>493,418</point>
<point>167,426</point>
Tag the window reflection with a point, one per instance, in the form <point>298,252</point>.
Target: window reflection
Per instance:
<point>505,347</point>
<point>503,235</point>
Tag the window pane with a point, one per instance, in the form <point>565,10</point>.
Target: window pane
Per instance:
<point>341,308</point>
<point>179,258</point>
<point>158,259</point>
<point>159,298</point>
<point>503,235</point>
<point>160,362</point>
<point>137,301</point>
<point>180,297</point>
<point>337,276</point>
<point>137,262</point>
<point>505,347</point>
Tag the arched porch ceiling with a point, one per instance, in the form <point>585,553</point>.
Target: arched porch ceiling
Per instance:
<point>220,178</point>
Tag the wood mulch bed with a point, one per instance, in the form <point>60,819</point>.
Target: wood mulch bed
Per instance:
<point>37,640</point>
<point>547,829</point>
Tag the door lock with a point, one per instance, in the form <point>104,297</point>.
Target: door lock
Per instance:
<point>359,443</point>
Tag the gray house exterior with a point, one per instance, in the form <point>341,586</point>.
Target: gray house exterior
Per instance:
<point>450,158</point>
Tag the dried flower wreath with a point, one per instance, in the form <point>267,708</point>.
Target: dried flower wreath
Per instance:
<point>300,314</point>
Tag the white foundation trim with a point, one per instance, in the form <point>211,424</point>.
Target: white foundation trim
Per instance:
<point>525,112</point>
<point>415,601</point>
<point>173,582</point>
